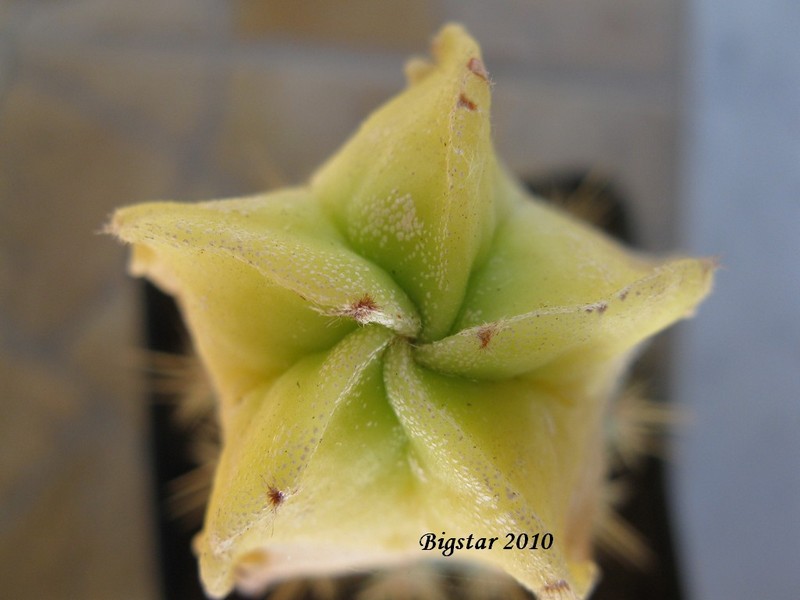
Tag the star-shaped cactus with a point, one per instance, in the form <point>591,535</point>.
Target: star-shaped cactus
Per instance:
<point>407,344</point>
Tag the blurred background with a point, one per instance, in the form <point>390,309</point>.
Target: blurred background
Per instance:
<point>690,108</point>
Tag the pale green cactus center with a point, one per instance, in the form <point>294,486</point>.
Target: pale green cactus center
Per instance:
<point>408,344</point>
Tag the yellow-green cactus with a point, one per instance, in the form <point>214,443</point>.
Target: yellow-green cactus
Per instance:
<point>408,344</point>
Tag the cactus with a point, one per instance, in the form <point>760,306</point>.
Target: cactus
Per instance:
<point>408,344</point>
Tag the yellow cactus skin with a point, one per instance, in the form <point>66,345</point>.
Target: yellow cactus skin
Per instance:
<point>407,344</point>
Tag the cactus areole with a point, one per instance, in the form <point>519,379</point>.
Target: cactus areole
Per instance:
<point>408,344</point>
